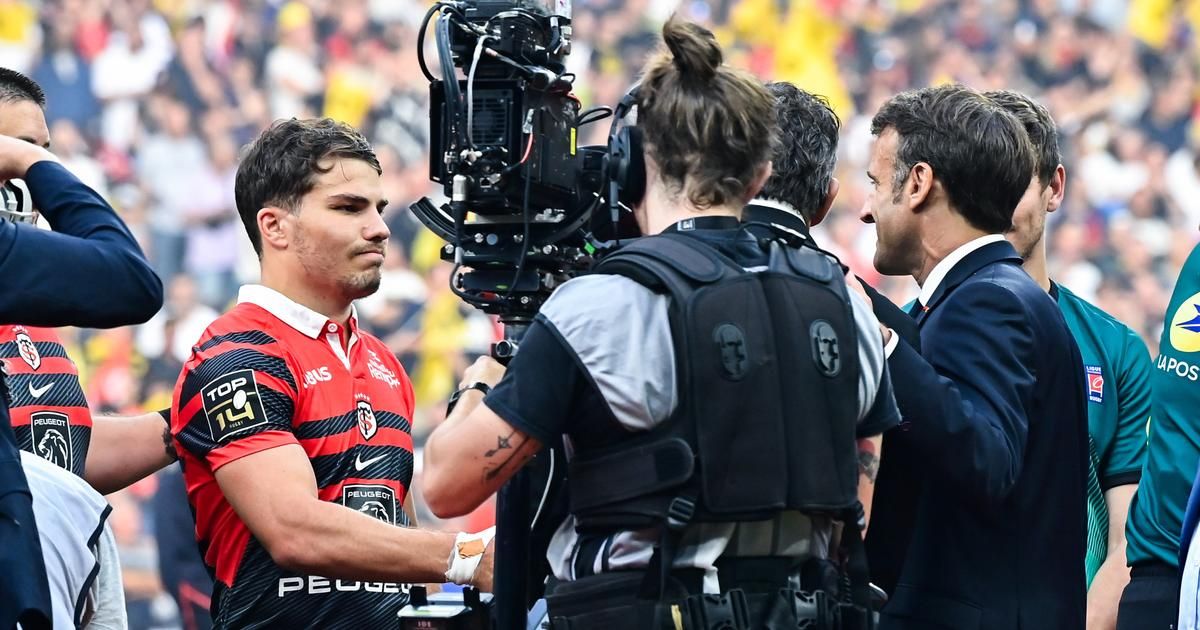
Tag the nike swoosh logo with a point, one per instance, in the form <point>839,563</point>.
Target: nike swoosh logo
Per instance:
<point>359,464</point>
<point>37,392</point>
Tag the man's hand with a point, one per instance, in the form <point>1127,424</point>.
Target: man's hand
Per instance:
<point>484,370</point>
<point>16,156</point>
<point>856,286</point>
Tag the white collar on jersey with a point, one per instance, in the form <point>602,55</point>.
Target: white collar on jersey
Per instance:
<point>298,316</point>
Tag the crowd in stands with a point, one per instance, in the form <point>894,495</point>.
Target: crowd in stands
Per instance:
<point>149,101</point>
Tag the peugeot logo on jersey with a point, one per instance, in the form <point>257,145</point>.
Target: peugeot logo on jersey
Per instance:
<point>52,437</point>
<point>1185,326</point>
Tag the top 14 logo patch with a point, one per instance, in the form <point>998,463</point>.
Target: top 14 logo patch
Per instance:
<point>232,405</point>
<point>1095,383</point>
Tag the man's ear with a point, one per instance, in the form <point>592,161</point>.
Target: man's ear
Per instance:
<point>918,188</point>
<point>1058,188</point>
<point>823,210</point>
<point>756,184</point>
<point>273,228</point>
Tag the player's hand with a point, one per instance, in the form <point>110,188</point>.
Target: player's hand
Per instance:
<point>484,370</point>
<point>482,579</point>
<point>16,156</point>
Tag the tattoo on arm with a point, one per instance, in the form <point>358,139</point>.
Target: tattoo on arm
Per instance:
<point>503,442</point>
<point>868,460</point>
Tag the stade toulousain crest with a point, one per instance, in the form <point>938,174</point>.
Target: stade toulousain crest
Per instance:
<point>28,350</point>
<point>367,424</point>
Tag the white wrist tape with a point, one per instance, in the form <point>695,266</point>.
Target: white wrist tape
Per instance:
<point>466,554</point>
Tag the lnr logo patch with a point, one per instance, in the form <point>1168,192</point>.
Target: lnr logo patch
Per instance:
<point>1095,383</point>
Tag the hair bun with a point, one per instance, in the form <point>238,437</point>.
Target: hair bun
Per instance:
<point>694,49</point>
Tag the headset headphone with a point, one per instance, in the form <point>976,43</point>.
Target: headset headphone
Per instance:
<point>625,163</point>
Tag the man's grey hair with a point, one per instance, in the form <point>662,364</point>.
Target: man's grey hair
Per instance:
<point>808,140</point>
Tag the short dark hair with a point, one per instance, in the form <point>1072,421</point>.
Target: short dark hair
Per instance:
<point>16,87</point>
<point>283,163</point>
<point>807,151</point>
<point>978,151</point>
<point>1038,123</point>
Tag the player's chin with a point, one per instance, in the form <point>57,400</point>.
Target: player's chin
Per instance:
<point>363,284</point>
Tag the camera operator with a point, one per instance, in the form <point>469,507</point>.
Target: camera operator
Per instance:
<point>294,424</point>
<point>88,272</point>
<point>758,412</point>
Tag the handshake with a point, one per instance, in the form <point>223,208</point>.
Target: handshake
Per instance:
<point>472,559</point>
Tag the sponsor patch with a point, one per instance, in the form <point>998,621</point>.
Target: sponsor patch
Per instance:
<point>232,405</point>
<point>1185,326</point>
<point>381,371</point>
<point>52,437</point>
<point>373,500</point>
<point>1095,383</point>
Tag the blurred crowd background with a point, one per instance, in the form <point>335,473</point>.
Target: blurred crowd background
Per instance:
<point>150,102</point>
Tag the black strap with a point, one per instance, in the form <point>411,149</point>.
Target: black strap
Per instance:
<point>645,469</point>
<point>590,547</point>
<point>857,615</point>
<point>658,572</point>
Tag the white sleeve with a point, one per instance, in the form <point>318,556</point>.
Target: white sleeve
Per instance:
<point>871,360</point>
<point>108,591</point>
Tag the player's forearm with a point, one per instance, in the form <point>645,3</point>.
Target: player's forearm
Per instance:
<point>125,450</point>
<point>327,539</point>
<point>1105,591</point>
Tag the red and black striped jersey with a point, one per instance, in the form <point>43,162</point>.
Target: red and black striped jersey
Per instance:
<point>49,412</point>
<point>269,373</point>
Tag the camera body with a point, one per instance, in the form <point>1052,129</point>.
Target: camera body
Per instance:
<point>503,134</point>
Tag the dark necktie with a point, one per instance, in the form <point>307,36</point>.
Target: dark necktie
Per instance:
<point>916,309</point>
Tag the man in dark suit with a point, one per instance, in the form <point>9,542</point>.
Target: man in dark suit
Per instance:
<point>1000,425</point>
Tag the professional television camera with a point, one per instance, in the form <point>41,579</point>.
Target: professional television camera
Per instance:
<point>503,145</point>
<point>503,137</point>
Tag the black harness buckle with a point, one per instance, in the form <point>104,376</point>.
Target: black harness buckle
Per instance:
<point>726,611</point>
<point>680,512</point>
